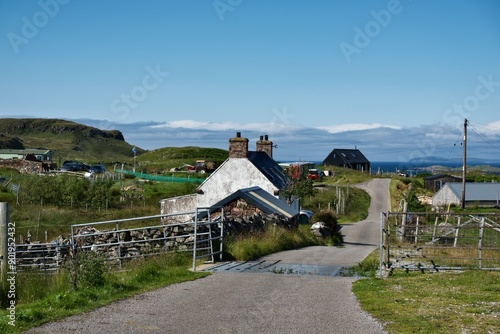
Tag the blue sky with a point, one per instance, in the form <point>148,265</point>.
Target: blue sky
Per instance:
<point>394,78</point>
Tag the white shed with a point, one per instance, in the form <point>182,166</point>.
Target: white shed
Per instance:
<point>482,194</point>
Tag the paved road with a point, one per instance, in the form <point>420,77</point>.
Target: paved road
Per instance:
<point>252,303</point>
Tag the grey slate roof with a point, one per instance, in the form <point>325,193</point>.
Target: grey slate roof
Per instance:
<point>439,176</point>
<point>347,156</point>
<point>475,191</point>
<point>25,151</point>
<point>262,200</point>
<point>269,167</point>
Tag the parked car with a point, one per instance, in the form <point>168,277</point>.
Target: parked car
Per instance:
<point>315,174</point>
<point>74,166</point>
<point>202,166</point>
<point>95,169</point>
<point>305,216</point>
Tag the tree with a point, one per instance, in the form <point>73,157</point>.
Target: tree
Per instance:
<point>298,185</point>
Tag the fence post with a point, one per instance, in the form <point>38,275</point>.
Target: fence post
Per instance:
<point>119,250</point>
<point>195,238</point>
<point>480,243</point>
<point>4,225</point>
<point>456,233</point>
<point>435,228</point>
<point>221,234</point>
<point>402,230</point>
<point>416,230</point>
<point>381,247</point>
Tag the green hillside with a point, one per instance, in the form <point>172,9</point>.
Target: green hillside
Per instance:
<point>68,140</point>
<point>74,141</point>
<point>162,159</point>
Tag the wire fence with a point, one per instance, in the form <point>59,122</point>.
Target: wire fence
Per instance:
<point>439,241</point>
<point>162,178</point>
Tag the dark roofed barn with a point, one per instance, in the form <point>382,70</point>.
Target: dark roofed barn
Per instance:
<point>436,182</point>
<point>346,158</point>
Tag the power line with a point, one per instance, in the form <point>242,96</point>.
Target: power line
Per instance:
<point>484,138</point>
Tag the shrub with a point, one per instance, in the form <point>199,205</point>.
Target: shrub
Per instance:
<point>328,217</point>
<point>87,269</point>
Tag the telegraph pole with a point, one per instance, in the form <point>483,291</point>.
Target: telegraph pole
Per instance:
<point>464,168</point>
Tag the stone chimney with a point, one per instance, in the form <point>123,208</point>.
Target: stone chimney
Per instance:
<point>265,145</point>
<point>238,147</point>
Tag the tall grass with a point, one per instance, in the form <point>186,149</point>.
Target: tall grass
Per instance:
<point>271,240</point>
<point>354,206</point>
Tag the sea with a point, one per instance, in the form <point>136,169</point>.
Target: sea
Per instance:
<point>411,168</point>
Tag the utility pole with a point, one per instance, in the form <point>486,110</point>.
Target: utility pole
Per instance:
<point>464,168</point>
<point>135,153</point>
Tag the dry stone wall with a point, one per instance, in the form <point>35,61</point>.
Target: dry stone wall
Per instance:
<point>117,246</point>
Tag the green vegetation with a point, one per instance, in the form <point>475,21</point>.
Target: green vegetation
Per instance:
<point>344,176</point>
<point>54,203</point>
<point>68,140</point>
<point>350,204</point>
<point>60,299</point>
<point>162,160</point>
<point>299,186</point>
<point>445,302</point>
<point>271,240</point>
<point>405,302</point>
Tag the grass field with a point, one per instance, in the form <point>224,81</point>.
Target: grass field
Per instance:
<point>444,302</point>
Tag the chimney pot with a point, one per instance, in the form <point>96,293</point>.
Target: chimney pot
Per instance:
<point>238,147</point>
<point>264,145</point>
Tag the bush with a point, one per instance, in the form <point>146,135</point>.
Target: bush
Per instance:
<point>87,269</point>
<point>328,217</point>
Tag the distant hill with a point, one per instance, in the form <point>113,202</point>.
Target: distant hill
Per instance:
<point>68,140</point>
<point>162,159</point>
<point>437,160</point>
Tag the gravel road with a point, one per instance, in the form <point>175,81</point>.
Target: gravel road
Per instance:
<point>252,303</point>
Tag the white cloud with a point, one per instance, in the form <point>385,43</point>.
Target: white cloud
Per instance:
<point>356,127</point>
<point>378,142</point>
<point>269,128</point>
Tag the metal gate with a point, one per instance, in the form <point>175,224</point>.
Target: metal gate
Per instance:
<point>439,241</point>
<point>124,239</point>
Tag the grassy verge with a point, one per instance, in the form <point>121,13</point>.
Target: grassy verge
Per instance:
<point>36,306</point>
<point>272,240</point>
<point>352,208</point>
<point>444,302</point>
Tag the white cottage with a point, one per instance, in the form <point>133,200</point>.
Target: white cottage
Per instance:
<point>243,169</point>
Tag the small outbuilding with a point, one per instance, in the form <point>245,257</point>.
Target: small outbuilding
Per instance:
<point>436,182</point>
<point>347,158</point>
<point>480,194</point>
<point>246,202</point>
<point>27,154</point>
